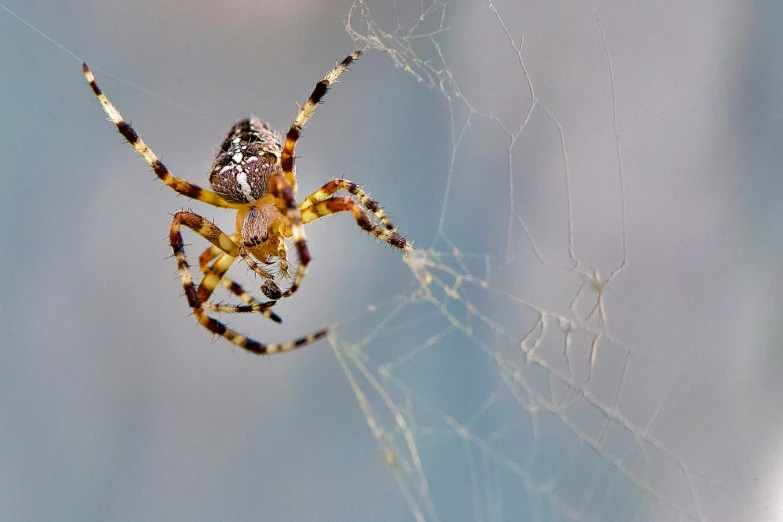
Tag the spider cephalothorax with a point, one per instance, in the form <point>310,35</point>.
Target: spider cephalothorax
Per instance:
<point>254,174</point>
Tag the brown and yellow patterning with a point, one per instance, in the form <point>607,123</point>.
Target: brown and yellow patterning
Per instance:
<point>254,174</point>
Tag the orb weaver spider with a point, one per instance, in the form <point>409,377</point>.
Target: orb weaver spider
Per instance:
<point>254,174</point>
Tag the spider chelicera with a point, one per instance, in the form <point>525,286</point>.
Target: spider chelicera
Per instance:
<point>254,174</point>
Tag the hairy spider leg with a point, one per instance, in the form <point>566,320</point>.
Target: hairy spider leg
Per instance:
<point>224,245</point>
<point>283,184</point>
<point>211,252</point>
<point>335,185</point>
<point>180,185</point>
<point>215,275</point>
<point>214,235</point>
<point>219,268</point>
<point>337,204</point>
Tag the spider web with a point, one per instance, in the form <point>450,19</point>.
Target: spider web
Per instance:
<point>510,397</point>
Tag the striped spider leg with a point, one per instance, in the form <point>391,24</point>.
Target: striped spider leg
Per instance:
<point>215,275</point>
<point>283,185</point>
<point>214,235</point>
<point>321,203</point>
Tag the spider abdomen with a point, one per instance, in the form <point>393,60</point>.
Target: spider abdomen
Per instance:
<point>248,156</point>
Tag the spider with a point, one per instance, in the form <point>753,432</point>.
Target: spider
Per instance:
<point>254,174</point>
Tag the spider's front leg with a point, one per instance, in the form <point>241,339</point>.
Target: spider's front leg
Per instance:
<point>283,185</point>
<point>214,235</point>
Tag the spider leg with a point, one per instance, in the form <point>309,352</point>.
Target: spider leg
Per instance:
<point>212,252</point>
<point>337,204</point>
<point>270,288</point>
<point>209,231</point>
<point>216,274</point>
<point>287,156</point>
<point>284,199</point>
<point>335,185</point>
<point>235,288</point>
<point>283,185</point>
<point>180,185</point>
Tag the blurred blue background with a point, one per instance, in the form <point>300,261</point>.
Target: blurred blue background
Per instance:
<point>116,405</point>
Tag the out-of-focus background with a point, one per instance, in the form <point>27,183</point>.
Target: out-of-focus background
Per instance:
<point>588,328</point>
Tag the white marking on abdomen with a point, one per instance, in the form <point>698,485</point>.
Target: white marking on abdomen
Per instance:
<point>245,186</point>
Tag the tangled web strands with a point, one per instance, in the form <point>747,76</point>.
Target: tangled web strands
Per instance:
<point>496,386</point>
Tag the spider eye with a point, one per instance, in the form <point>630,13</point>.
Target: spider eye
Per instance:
<point>256,240</point>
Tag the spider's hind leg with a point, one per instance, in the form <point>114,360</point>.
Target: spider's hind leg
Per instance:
<point>180,185</point>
